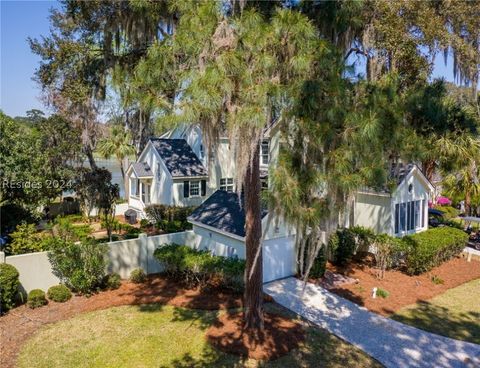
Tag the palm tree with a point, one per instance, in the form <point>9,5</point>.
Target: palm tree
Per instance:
<point>460,156</point>
<point>117,144</point>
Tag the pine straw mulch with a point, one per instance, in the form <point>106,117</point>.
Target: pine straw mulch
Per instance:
<point>403,289</point>
<point>21,322</point>
<point>280,335</point>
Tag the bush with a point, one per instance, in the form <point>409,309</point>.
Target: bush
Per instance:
<point>36,298</point>
<point>112,281</point>
<point>144,223</point>
<point>9,284</point>
<point>138,276</point>
<point>319,266</point>
<point>200,267</point>
<point>345,243</point>
<point>26,239</point>
<point>157,213</point>
<point>80,266</point>
<point>64,228</point>
<point>173,226</point>
<point>382,293</point>
<point>387,249</point>
<point>433,247</point>
<point>59,293</point>
<point>449,212</point>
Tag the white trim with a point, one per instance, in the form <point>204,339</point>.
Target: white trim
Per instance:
<point>374,193</point>
<point>214,229</point>
<point>189,177</point>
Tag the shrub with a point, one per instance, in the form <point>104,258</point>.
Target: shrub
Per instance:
<point>138,276</point>
<point>319,266</point>
<point>59,293</point>
<point>200,267</point>
<point>382,293</point>
<point>65,229</point>
<point>346,242</point>
<point>26,239</point>
<point>386,248</point>
<point>112,281</point>
<point>433,247</point>
<point>437,280</point>
<point>144,223</point>
<point>81,266</point>
<point>9,284</point>
<point>36,298</point>
<point>157,213</point>
<point>449,212</point>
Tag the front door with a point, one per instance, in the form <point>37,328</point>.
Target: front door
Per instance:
<point>145,193</point>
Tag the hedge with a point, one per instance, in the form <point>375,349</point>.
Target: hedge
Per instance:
<point>200,267</point>
<point>432,247</point>
<point>344,244</point>
<point>9,283</point>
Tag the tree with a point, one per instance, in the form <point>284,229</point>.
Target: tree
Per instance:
<point>117,144</point>
<point>236,71</point>
<point>106,205</point>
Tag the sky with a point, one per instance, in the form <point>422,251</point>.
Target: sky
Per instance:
<point>23,19</point>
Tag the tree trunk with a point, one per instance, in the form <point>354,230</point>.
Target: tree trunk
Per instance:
<point>428,168</point>
<point>91,159</point>
<point>468,203</point>
<point>253,297</point>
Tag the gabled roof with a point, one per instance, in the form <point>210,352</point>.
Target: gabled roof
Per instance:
<point>178,157</point>
<point>142,170</point>
<point>222,211</point>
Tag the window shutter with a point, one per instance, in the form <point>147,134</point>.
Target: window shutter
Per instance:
<point>204,187</point>
<point>186,189</point>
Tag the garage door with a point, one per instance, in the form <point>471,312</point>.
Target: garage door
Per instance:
<point>279,259</point>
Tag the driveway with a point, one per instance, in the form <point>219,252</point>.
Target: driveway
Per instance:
<point>392,343</point>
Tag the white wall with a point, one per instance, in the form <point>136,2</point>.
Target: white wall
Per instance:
<point>374,212</point>
<point>279,258</point>
<point>220,244</point>
<point>123,256</point>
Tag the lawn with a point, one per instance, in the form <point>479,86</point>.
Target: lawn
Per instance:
<point>164,336</point>
<point>455,313</point>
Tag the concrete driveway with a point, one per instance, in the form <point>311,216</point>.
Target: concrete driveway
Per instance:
<point>392,343</point>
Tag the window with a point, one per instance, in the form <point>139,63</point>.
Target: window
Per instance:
<point>159,171</point>
<point>134,187</point>
<point>409,216</point>
<point>264,155</point>
<point>202,153</point>
<point>264,184</point>
<point>194,188</point>
<point>226,184</point>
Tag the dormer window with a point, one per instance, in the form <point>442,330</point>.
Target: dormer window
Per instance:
<point>264,153</point>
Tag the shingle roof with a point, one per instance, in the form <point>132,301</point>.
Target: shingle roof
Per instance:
<point>142,169</point>
<point>222,211</point>
<point>178,157</point>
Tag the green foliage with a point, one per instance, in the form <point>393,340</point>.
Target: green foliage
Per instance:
<point>59,293</point>
<point>157,213</point>
<point>80,266</point>
<point>9,283</point>
<point>382,293</point>
<point>319,266</point>
<point>200,267</point>
<point>437,280</point>
<point>449,212</point>
<point>433,247</point>
<point>26,239</point>
<point>112,281</point>
<point>144,223</point>
<point>386,250</point>
<point>64,228</point>
<point>36,298</point>
<point>138,276</point>
<point>346,242</point>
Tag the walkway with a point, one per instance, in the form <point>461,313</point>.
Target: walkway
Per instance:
<point>393,344</point>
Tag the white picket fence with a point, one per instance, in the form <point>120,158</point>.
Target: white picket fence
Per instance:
<point>123,256</point>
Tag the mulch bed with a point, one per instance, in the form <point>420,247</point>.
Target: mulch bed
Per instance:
<point>280,335</point>
<point>404,290</point>
<point>20,323</point>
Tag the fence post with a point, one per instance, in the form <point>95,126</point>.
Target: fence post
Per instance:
<point>143,252</point>
<point>2,257</point>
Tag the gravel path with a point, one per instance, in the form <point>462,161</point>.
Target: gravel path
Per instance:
<point>392,343</point>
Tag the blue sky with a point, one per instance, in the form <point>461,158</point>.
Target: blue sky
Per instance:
<point>22,19</point>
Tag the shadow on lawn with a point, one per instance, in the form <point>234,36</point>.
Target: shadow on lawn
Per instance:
<point>439,320</point>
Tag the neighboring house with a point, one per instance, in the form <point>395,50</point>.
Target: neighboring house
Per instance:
<point>220,224</point>
<point>397,212</point>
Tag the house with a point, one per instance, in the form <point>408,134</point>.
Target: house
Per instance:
<point>219,223</point>
<point>399,211</point>
<point>176,169</point>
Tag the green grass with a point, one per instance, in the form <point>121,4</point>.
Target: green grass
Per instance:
<point>164,336</point>
<point>455,313</point>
